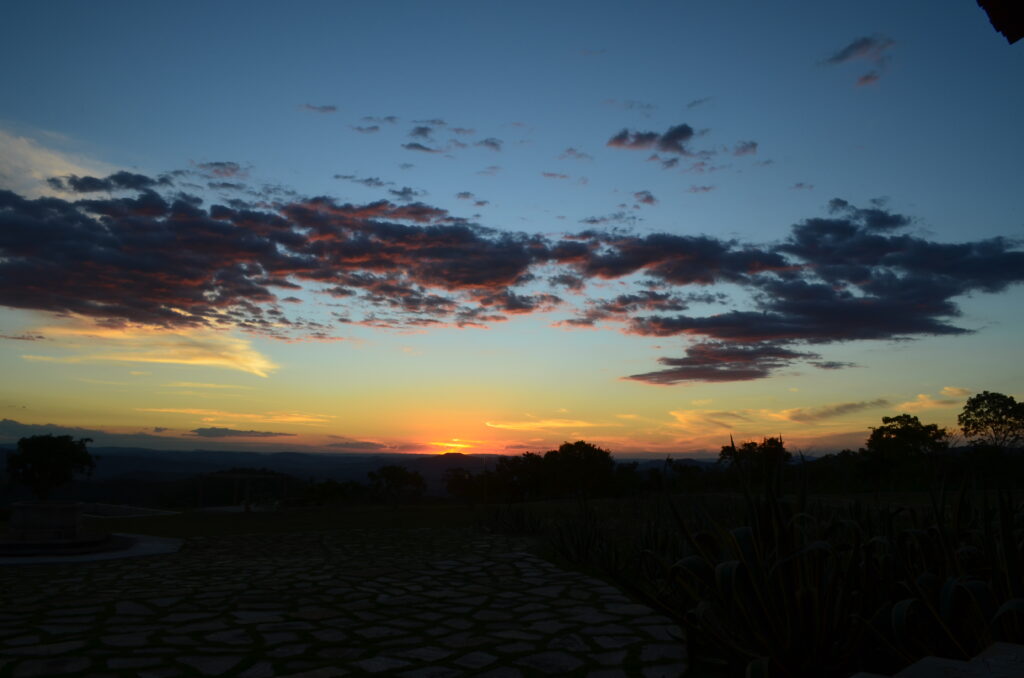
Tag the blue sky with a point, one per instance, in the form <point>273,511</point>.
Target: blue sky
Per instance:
<point>910,109</point>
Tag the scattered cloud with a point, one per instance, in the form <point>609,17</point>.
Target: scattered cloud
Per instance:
<point>554,175</point>
<point>872,49</point>
<point>645,197</point>
<point>405,194</point>
<point>366,129</point>
<point>745,148</point>
<point>801,186</point>
<point>221,168</point>
<point>694,188</point>
<point>673,140</point>
<point>329,108</point>
<point>698,102</point>
<point>416,146</point>
<point>491,143</point>
<point>370,182</point>
<point>574,154</point>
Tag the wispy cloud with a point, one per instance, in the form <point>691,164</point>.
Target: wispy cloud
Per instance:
<point>140,344</point>
<point>542,424</point>
<point>275,417</point>
<point>328,108</point>
<point>220,432</point>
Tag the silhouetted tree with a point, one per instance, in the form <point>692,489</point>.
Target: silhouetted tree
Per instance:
<point>752,460</point>
<point>580,468</point>
<point>905,436</point>
<point>44,463</point>
<point>396,483</point>
<point>993,419</point>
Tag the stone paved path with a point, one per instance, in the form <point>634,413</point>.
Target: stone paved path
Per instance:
<point>416,603</point>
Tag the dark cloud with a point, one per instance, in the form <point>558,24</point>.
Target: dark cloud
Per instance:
<point>627,139</point>
<point>421,132</point>
<point>150,260</point>
<point>405,193</point>
<point>574,154</point>
<point>481,203</point>
<point>160,429</point>
<point>219,432</point>
<point>222,168</point>
<point>632,105</point>
<point>223,186</point>
<point>745,148</point>
<point>464,195</point>
<point>645,197</point>
<point>694,188</point>
<point>623,306</point>
<point>491,143</point>
<point>390,119</point>
<point>359,446</point>
<point>414,146</point>
<point>371,182</point>
<point>490,170</point>
<point>463,131</point>
<point>698,102</point>
<point>856,273</point>
<point>117,181</point>
<point>801,186</point>
<point>614,218</point>
<point>673,140</point>
<point>554,175</point>
<point>831,364</point>
<point>25,336</point>
<point>717,362</point>
<point>366,129</point>
<point>319,109</point>
<point>811,414</point>
<point>666,163</point>
<point>870,48</point>
<point>435,122</point>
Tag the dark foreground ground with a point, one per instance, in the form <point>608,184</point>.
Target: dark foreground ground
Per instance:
<point>408,592</point>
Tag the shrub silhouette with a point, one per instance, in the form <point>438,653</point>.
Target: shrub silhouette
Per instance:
<point>396,483</point>
<point>44,463</point>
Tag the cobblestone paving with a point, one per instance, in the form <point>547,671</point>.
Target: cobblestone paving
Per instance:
<point>415,603</point>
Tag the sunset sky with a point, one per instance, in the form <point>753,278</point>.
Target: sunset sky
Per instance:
<point>494,227</point>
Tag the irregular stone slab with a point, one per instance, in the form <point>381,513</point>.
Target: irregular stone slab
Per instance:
<point>325,672</point>
<point>128,607</point>
<point>551,663</point>
<point>44,668</point>
<point>47,650</point>
<point>211,665</point>
<point>380,664</point>
<point>476,660</point>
